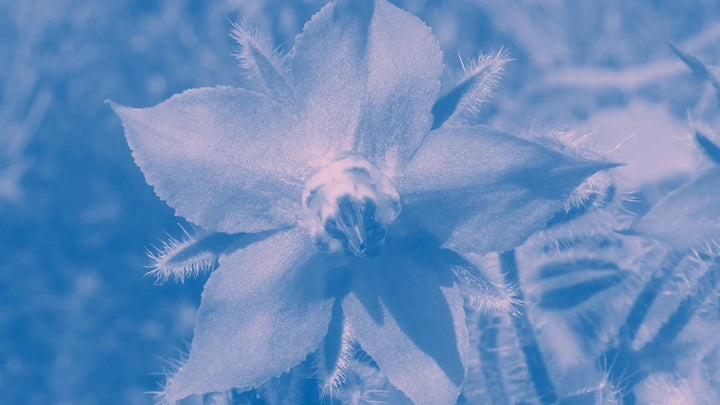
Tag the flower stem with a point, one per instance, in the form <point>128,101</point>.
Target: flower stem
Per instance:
<point>489,359</point>
<point>626,370</point>
<point>641,306</point>
<point>544,387</point>
<point>685,311</point>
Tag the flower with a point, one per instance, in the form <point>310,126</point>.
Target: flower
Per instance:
<point>366,188</point>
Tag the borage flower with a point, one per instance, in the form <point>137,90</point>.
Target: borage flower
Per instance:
<point>360,186</point>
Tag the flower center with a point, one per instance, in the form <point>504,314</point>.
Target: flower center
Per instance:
<point>349,205</point>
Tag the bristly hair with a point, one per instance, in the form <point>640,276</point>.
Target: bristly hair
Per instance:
<point>485,72</point>
<point>263,63</point>
<point>484,295</point>
<point>286,389</point>
<point>581,145</point>
<point>365,384</point>
<point>251,40</point>
<point>671,389</point>
<point>710,250</point>
<point>175,258</point>
<point>471,90</point>
<point>598,205</point>
<point>590,384</point>
<point>331,380</point>
<point>170,368</point>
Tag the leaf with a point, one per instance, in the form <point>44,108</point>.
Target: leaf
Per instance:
<point>262,312</point>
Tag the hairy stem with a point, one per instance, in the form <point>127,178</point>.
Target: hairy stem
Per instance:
<point>626,369</point>
<point>685,311</point>
<point>489,359</point>
<point>641,306</point>
<point>544,387</point>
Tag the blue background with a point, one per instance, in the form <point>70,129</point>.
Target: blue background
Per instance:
<point>79,324</point>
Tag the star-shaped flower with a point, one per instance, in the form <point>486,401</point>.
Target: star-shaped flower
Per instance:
<point>362,185</point>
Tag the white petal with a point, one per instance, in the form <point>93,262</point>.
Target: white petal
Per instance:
<point>404,67</point>
<point>483,191</point>
<point>410,319</point>
<point>262,312</point>
<point>223,158</point>
<point>370,75</point>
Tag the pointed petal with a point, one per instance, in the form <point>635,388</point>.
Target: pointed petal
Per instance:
<point>262,312</point>
<point>370,74</point>
<point>483,191</point>
<point>222,157</point>
<point>327,70</point>
<point>410,319</point>
<point>404,66</point>
<point>689,217</point>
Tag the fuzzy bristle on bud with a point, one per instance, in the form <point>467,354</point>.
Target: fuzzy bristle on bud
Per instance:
<point>598,204</point>
<point>587,385</point>
<point>180,258</point>
<point>263,62</point>
<point>664,388</point>
<point>473,89</point>
<point>366,385</point>
<point>482,294</point>
<point>286,389</point>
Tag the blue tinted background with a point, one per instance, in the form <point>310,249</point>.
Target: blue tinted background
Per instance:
<point>79,324</point>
